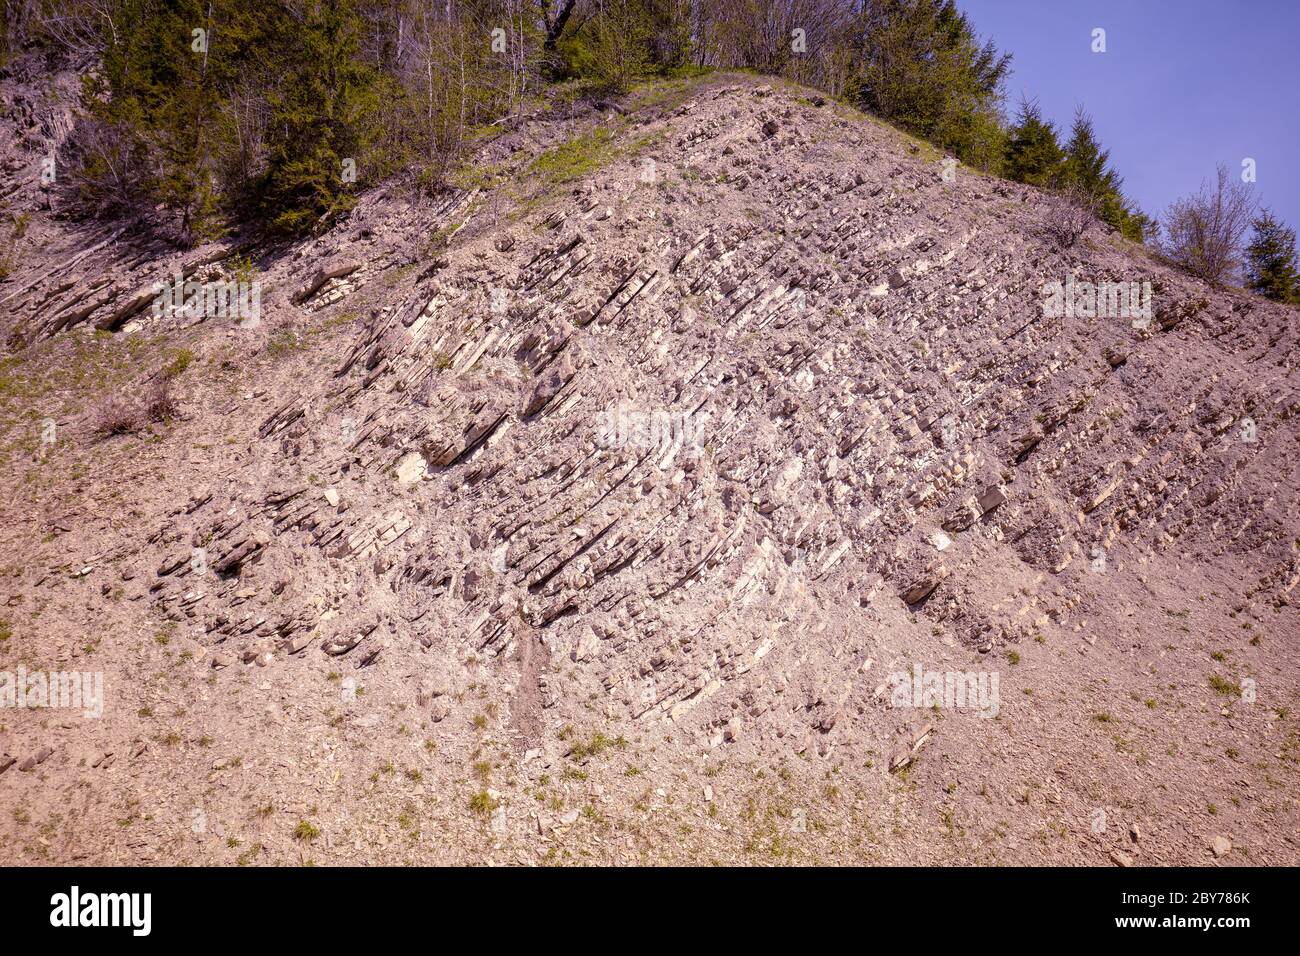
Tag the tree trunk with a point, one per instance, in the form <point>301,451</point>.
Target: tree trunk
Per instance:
<point>555,27</point>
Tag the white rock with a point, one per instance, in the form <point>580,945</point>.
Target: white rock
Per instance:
<point>411,468</point>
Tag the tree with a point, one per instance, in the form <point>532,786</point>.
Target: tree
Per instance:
<point>1086,163</point>
<point>1271,260</point>
<point>1087,174</point>
<point>670,32</point>
<point>150,107</point>
<point>924,69</point>
<point>555,23</point>
<point>1033,154</point>
<point>612,46</point>
<point>321,115</point>
<point>1203,233</point>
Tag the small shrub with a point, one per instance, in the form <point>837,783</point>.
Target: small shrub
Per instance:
<point>482,804</point>
<point>1204,233</point>
<point>242,269</point>
<point>305,831</point>
<point>1068,218</point>
<point>1224,687</point>
<point>159,405</point>
<point>118,416</point>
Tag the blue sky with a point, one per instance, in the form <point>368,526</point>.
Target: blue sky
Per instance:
<point>1183,85</point>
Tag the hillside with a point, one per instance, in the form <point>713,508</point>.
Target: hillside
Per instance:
<point>584,514</point>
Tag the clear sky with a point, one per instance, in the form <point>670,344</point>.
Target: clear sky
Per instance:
<point>1183,85</point>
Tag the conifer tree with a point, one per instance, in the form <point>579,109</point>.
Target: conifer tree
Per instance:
<point>1270,267</point>
<point>1033,153</point>
<point>157,90</point>
<point>1087,174</point>
<point>322,115</point>
<point>924,68</point>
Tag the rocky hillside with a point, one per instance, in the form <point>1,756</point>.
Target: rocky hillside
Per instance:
<point>590,513</point>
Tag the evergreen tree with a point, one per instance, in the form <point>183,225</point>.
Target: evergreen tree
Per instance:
<point>156,89</point>
<point>924,69</point>
<point>187,107</point>
<point>1087,174</point>
<point>154,135</point>
<point>321,115</point>
<point>1086,163</point>
<point>1033,154</point>
<point>1270,267</point>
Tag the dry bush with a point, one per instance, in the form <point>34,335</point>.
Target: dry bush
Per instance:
<point>102,171</point>
<point>159,403</point>
<point>77,27</point>
<point>1204,232</point>
<point>120,415</point>
<point>116,415</point>
<point>1069,214</point>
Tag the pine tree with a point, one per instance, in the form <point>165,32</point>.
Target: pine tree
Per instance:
<point>185,75</point>
<point>1087,174</point>
<point>1086,163</point>
<point>924,69</point>
<point>156,90</point>
<point>155,136</point>
<point>1033,153</point>
<point>321,116</point>
<point>1270,267</point>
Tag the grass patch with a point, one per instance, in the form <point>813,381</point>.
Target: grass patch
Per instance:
<point>1224,687</point>
<point>482,803</point>
<point>597,745</point>
<point>580,156</point>
<point>182,360</point>
<point>305,832</point>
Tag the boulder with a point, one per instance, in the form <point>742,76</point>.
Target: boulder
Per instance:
<point>332,269</point>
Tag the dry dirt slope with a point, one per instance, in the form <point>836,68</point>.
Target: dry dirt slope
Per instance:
<point>404,580</point>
